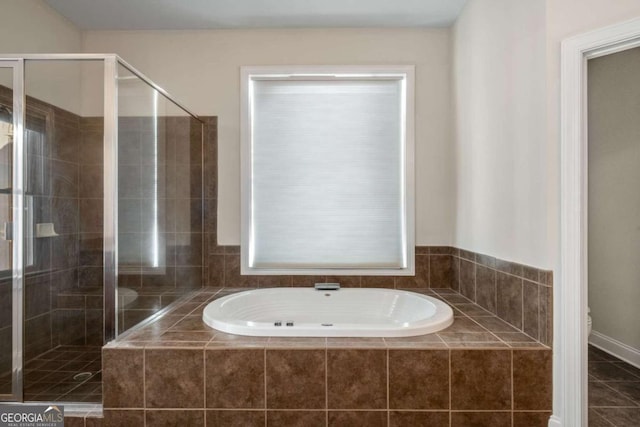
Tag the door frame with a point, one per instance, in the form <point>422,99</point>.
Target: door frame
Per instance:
<point>17,219</point>
<point>570,296</point>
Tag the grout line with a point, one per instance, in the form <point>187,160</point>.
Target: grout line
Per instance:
<point>326,386</point>
<point>450,387</point>
<point>475,283</point>
<point>522,304</point>
<point>265,385</point>
<point>388,390</point>
<point>495,293</point>
<point>512,386</point>
<point>144,386</point>
<point>204,382</point>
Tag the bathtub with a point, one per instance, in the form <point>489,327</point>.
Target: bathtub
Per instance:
<point>306,312</point>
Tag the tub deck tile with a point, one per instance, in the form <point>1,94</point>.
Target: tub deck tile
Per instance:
<point>182,327</point>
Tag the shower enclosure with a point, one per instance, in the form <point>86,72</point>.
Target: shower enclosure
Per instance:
<point>100,216</point>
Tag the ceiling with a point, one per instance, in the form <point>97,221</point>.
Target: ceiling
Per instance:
<point>210,14</point>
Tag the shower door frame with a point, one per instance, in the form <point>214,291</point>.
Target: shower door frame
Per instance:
<point>110,219</point>
<point>17,229</point>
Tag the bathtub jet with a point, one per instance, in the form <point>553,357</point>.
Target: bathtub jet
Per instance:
<point>305,312</point>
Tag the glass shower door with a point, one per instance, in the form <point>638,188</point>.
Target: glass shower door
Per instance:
<point>11,208</point>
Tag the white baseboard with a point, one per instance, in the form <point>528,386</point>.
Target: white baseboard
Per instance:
<point>616,348</point>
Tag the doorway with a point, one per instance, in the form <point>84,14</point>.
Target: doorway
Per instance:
<point>571,338</point>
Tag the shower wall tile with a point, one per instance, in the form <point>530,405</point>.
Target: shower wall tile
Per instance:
<point>65,215</point>
<point>189,277</point>
<point>64,178</point>
<point>52,180</point>
<point>38,335</point>
<point>70,326</point>
<point>6,303</point>
<point>129,146</point>
<point>161,192</point>
<point>37,296</point>
<point>92,145</point>
<point>65,250</point>
<point>94,327</point>
<point>65,143</point>
<point>90,277</point>
<point>91,215</point>
<point>90,247</point>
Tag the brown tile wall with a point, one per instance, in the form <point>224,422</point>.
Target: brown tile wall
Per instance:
<point>434,269</point>
<point>180,208</point>
<point>65,176</point>
<point>52,180</point>
<point>327,386</point>
<point>519,294</point>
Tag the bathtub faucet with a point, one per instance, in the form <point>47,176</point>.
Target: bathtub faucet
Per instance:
<point>327,286</point>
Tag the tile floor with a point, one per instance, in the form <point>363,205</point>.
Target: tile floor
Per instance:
<point>49,377</point>
<point>614,391</point>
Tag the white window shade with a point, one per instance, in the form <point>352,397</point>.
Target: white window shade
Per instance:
<point>327,185</point>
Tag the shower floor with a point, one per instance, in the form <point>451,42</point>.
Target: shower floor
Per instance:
<point>50,376</point>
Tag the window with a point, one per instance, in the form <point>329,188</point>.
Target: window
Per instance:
<point>327,170</point>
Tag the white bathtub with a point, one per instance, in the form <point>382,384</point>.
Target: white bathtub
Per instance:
<point>351,312</point>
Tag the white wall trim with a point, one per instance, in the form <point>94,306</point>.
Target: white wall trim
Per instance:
<point>570,292</point>
<point>617,348</point>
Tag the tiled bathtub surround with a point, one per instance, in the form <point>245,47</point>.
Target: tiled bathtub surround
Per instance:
<point>469,373</point>
<point>519,294</point>
<point>434,269</point>
<point>516,293</point>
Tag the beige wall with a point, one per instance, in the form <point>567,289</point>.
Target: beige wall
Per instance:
<point>614,196</point>
<point>30,26</point>
<point>201,69</point>
<point>566,18</point>
<point>499,102</point>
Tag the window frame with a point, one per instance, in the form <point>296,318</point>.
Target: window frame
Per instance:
<point>405,73</point>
